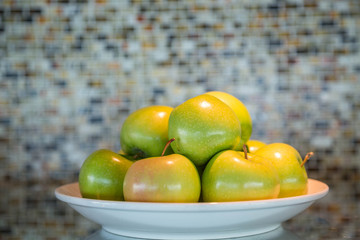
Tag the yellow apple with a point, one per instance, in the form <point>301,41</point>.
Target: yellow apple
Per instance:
<point>288,162</point>
<point>254,145</point>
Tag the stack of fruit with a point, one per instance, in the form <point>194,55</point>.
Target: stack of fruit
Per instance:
<point>197,152</point>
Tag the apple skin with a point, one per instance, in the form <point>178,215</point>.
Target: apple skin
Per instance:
<point>229,176</point>
<point>203,126</point>
<point>287,161</point>
<point>254,145</point>
<point>102,174</point>
<point>123,154</point>
<point>145,132</point>
<point>241,112</point>
<point>172,178</point>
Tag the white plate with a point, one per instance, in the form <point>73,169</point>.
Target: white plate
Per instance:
<point>190,220</point>
<point>277,234</point>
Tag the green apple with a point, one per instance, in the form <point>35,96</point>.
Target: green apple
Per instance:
<point>145,132</point>
<point>203,126</point>
<point>171,178</point>
<point>233,176</point>
<point>123,154</point>
<point>241,112</point>
<point>102,174</point>
<point>288,162</point>
<point>254,145</point>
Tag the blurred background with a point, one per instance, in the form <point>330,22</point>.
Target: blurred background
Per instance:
<point>72,70</point>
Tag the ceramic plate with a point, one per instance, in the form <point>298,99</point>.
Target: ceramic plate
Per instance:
<point>190,220</point>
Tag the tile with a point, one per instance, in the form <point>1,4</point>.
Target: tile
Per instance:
<point>72,70</point>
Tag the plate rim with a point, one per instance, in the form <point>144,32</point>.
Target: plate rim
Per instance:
<point>191,207</point>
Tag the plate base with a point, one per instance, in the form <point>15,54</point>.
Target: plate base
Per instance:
<point>193,235</point>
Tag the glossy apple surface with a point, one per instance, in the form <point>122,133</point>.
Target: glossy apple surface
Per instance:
<point>171,178</point>
<point>253,145</point>
<point>241,112</point>
<point>145,132</point>
<point>102,174</point>
<point>203,126</point>
<point>287,161</point>
<point>229,176</point>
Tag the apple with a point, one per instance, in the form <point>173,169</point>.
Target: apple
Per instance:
<point>123,154</point>
<point>288,162</point>
<point>102,174</point>
<point>241,112</point>
<point>234,176</point>
<point>144,133</point>
<point>254,145</point>
<point>203,126</point>
<point>171,178</point>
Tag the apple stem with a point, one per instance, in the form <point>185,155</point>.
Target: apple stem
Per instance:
<point>167,145</point>
<point>245,152</point>
<point>307,157</point>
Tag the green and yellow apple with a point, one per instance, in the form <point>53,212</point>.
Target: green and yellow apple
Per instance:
<point>102,174</point>
<point>171,178</point>
<point>287,161</point>
<point>203,126</point>
<point>232,176</point>
<point>145,132</point>
<point>123,154</point>
<point>241,112</point>
<point>254,145</point>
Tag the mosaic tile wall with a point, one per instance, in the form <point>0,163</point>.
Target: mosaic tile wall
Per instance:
<point>72,70</point>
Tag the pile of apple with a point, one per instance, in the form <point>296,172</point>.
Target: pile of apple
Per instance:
<point>198,151</point>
